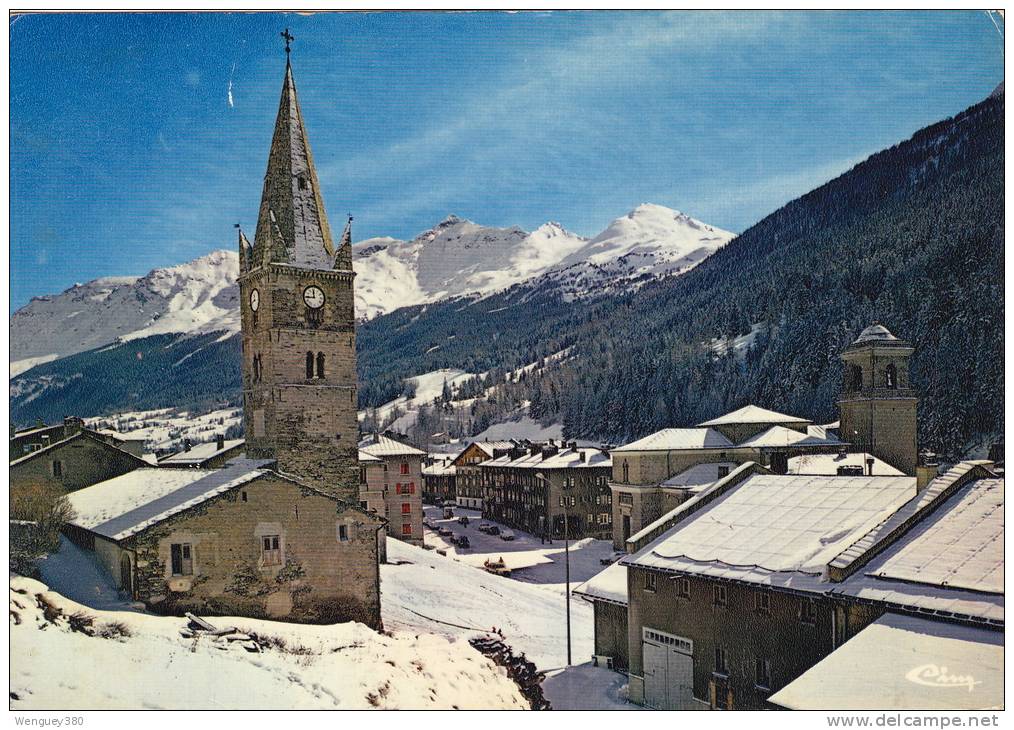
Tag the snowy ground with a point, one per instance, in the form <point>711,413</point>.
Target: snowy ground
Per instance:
<point>138,661</point>
<point>168,427</point>
<point>530,559</point>
<point>423,594</point>
<point>587,687</point>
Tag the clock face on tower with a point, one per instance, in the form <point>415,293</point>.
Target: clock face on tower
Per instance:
<point>255,300</point>
<point>313,297</point>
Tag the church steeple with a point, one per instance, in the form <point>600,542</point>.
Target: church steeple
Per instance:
<point>292,225</point>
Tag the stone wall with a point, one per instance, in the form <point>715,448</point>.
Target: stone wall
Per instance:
<point>308,423</point>
<point>319,579</point>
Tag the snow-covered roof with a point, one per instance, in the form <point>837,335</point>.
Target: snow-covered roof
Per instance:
<point>79,435</point>
<point>439,469</point>
<point>670,439</point>
<point>200,453</point>
<point>699,475</point>
<point>609,585</point>
<point>774,529</point>
<point>876,333</point>
<point>563,459</point>
<point>780,436</point>
<point>752,414</point>
<point>950,561</point>
<point>827,464</point>
<point>367,458</point>
<point>120,507</point>
<point>380,445</point>
<point>487,447</point>
<point>896,663</point>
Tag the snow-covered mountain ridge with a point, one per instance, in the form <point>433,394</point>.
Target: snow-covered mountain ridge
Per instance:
<point>454,258</point>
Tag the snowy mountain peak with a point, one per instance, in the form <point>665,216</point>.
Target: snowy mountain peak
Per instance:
<point>454,258</point>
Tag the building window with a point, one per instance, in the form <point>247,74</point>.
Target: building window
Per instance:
<point>721,660</point>
<point>650,583</point>
<point>854,378</point>
<point>808,612</point>
<point>891,376</point>
<point>243,496</point>
<point>683,588</point>
<point>314,316</point>
<point>271,550</point>
<point>343,533</point>
<point>406,508</point>
<point>362,475</point>
<point>762,673</point>
<point>309,365</point>
<point>320,365</point>
<point>181,557</point>
<point>57,468</point>
<point>720,595</point>
<point>626,472</point>
<point>762,603</point>
<point>404,468</point>
<point>723,471</point>
<point>406,529</point>
<point>411,487</point>
<point>626,498</point>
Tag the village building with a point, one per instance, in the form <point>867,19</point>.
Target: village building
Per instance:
<point>439,479</point>
<point>372,492</point>
<point>210,455</point>
<point>467,474</point>
<point>69,457</point>
<point>281,533</point>
<point>655,474</point>
<point>402,485</point>
<point>27,440</point>
<point>743,596</point>
<point>876,435</point>
<point>241,540</point>
<point>552,490</point>
<point>878,404</point>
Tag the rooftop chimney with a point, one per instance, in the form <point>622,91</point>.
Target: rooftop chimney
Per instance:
<point>71,425</point>
<point>927,469</point>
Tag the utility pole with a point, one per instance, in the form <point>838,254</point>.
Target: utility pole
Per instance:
<point>566,561</point>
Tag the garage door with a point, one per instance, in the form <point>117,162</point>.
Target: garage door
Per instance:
<point>668,670</point>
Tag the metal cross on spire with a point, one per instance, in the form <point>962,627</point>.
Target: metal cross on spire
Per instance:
<point>288,39</point>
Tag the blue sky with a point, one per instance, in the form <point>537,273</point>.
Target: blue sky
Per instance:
<point>126,155</point>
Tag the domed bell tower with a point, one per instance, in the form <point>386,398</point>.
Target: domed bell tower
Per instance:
<point>877,405</point>
<point>298,321</point>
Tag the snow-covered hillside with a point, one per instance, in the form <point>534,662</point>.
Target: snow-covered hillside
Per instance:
<point>454,258</point>
<point>199,296</point>
<point>147,664</point>
<point>650,241</point>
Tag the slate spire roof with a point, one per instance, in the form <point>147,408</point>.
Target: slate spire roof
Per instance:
<point>292,225</point>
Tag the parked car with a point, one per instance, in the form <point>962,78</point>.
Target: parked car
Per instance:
<point>463,542</point>
<point>506,534</point>
<point>493,530</point>
<point>444,532</point>
<point>463,521</point>
<point>484,527</point>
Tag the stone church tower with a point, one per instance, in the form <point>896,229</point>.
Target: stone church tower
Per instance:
<point>298,323</point>
<point>878,406</point>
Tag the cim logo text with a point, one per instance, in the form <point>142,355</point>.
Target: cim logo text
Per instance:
<point>931,675</point>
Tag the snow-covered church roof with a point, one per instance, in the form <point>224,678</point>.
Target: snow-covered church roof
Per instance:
<point>120,507</point>
<point>753,414</point>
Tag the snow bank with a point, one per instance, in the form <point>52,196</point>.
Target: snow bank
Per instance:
<point>146,664</point>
